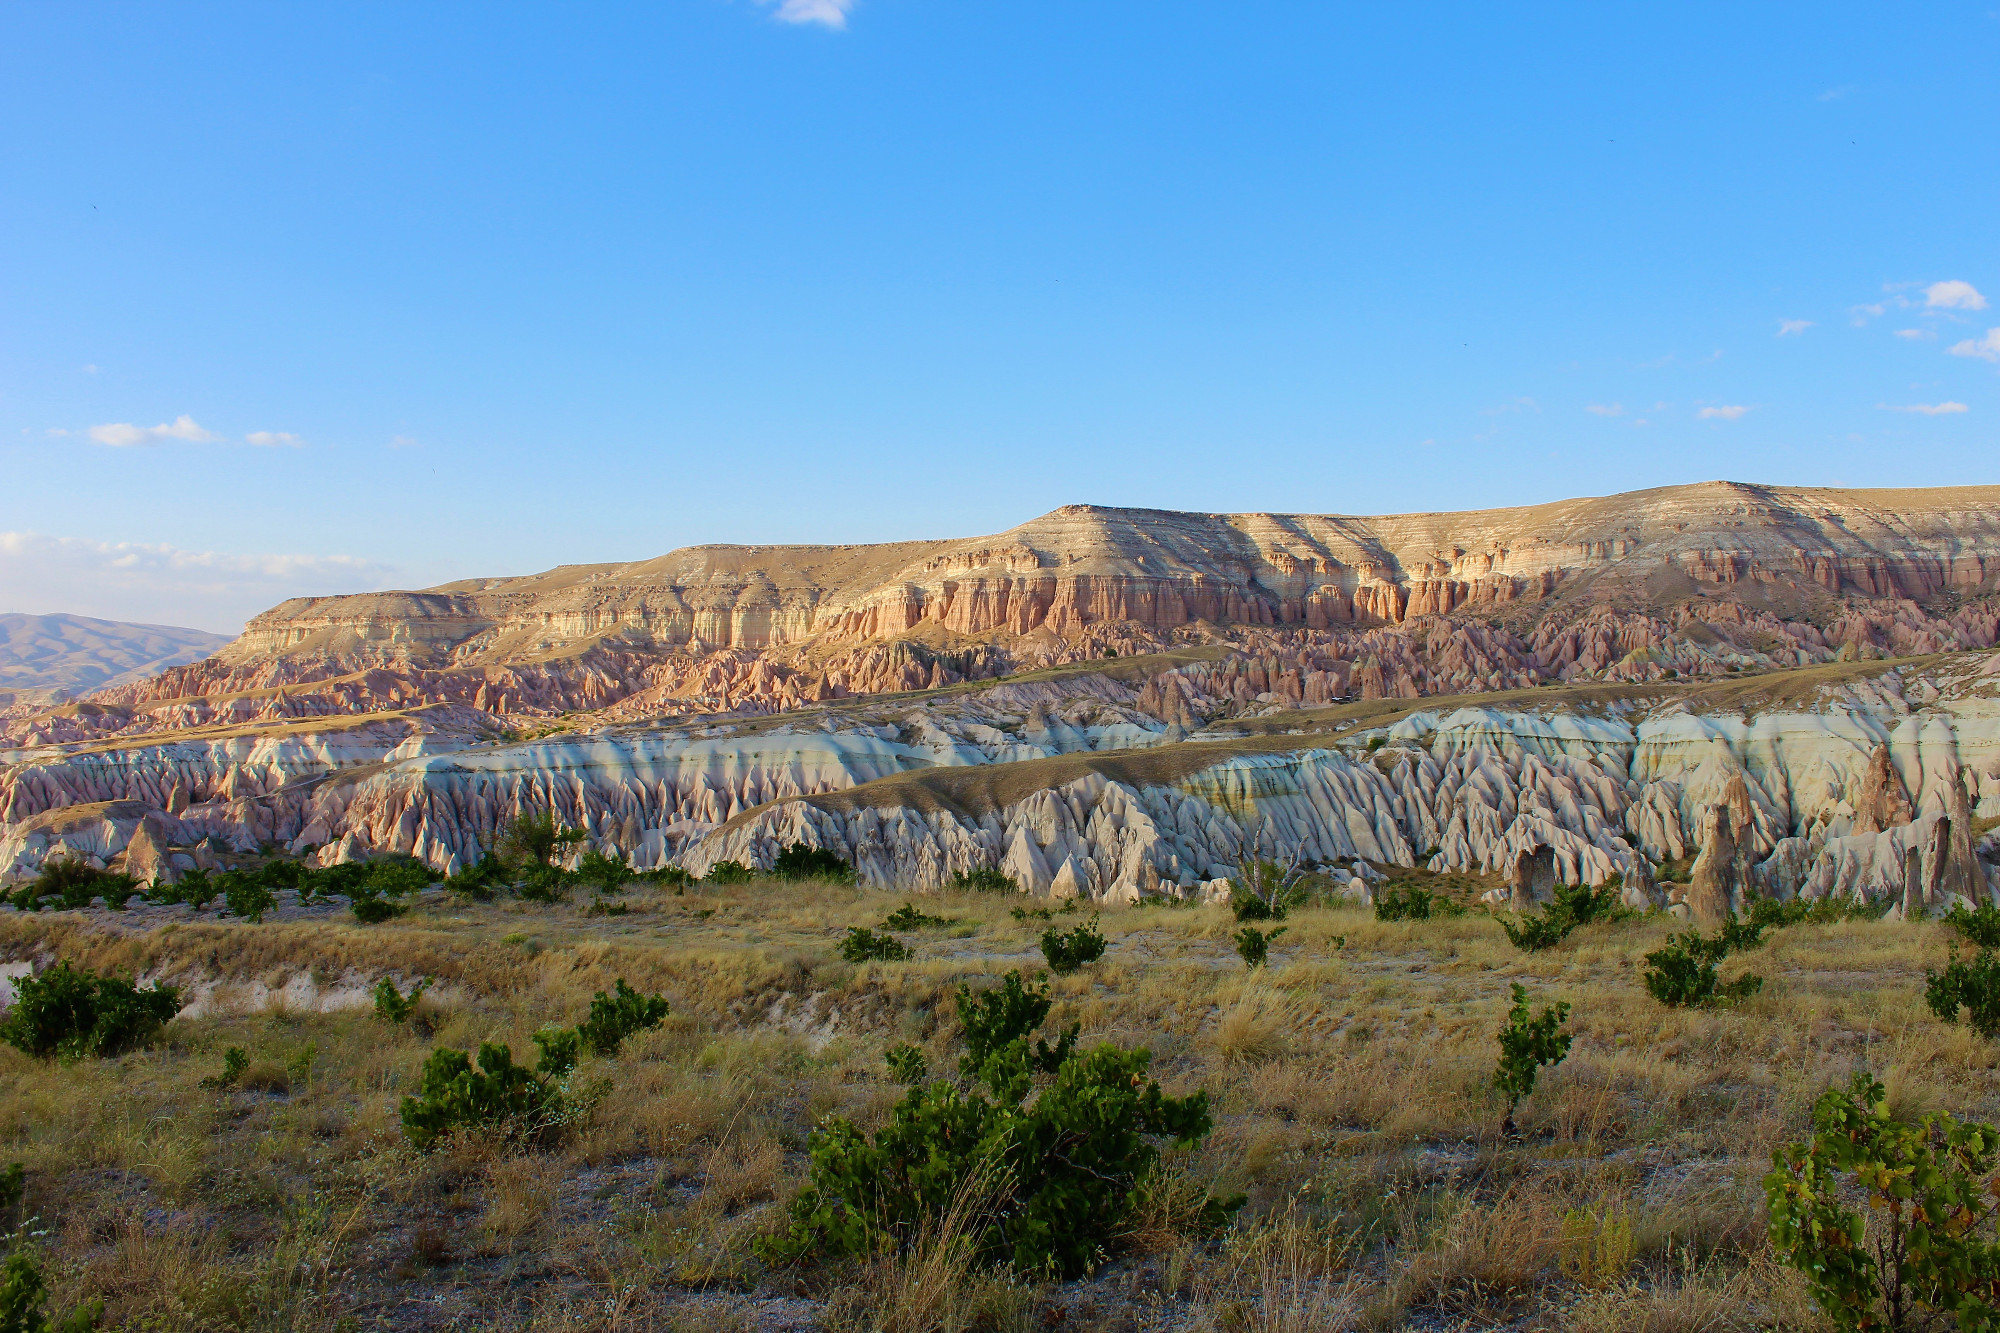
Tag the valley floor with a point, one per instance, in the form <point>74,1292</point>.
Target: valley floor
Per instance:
<point>1350,1080</point>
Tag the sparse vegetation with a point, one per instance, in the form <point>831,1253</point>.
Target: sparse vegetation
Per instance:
<point>1528,1043</point>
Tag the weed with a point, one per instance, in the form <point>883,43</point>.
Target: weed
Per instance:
<point>74,1013</point>
<point>1068,950</point>
<point>234,1062</point>
<point>906,1064</point>
<point>1253,945</point>
<point>863,945</point>
<point>1528,1042</point>
<point>394,1007</point>
<point>1924,1250</point>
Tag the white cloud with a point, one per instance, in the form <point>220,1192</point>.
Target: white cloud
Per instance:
<point>1928,409</point>
<point>165,585</point>
<point>90,370</point>
<point>1835,94</point>
<point>1953,295</point>
<point>1790,326</point>
<point>1915,334</point>
<point>1986,349</point>
<point>1728,412</point>
<point>402,442</point>
<point>1606,409</point>
<point>272,438</point>
<point>124,435</point>
<point>1518,405</point>
<point>832,13</point>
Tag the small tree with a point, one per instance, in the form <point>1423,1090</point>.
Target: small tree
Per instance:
<point>74,1013</point>
<point>1528,1043</point>
<point>616,1016</point>
<point>1923,1254</point>
<point>539,838</point>
<point>394,1007</point>
<point>1979,927</point>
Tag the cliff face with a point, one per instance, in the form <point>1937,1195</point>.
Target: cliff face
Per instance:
<point>1084,565</point>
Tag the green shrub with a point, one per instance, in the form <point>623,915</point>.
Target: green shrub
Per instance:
<point>1971,983</point>
<point>544,883</point>
<point>194,888</point>
<point>454,1095</point>
<point>906,1064</point>
<point>728,872</point>
<point>22,1293</point>
<point>1979,927</point>
<point>1410,903</point>
<point>1527,1043</point>
<point>1774,913</point>
<point>1683,972</point>
<point>1572,905</point>
<point>538,839</point>
<point>598,907</point>
<point>234,1062</point>
<point>1922,1254</point>
<point>907,917</point>
<point>74,1013</point>
<point>1056,1177</point>
<point>617,1016</point>
<point>863,945</point>
<point>607,874</point>
<point>1544,930</point>
<point>371,910</point>
<point>1263,890</point>
<point>392,1006</point>
<point>799,861</point>
<point>246,896</point>
<point>1253,946</point>
<point>672,877</point>
<point>72,883</point>
<point>1068,950</point>
<point>986,879</point>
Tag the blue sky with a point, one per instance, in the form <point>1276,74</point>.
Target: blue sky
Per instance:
<point>321,298</point>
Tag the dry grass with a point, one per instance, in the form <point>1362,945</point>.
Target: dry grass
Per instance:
<point>1349,1086</point>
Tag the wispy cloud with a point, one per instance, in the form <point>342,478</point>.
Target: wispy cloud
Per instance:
<point>829,13</point>
<point>403,442</point>
<point>1986,349</point>
<point>1927,409</point>
<point>1953,295</point>
<point>1788,327</point>
<point>1916,335</point>
<point>1725,412</point>
<point>166,585</point>
<point>124,435</point>
<point>273,439</point>
<point>1606,409</point>
<point>1518,405</point>
<point>1835,94</point>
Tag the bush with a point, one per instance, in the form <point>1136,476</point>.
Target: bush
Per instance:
<point>1541,931</point>
<point>497,1094</point>
<point>799,861</point>
<point>22,1292</point>
<point>907,917</point>
<point>195,889</point>
<point>1979,927</point>
<point>673,877</point>
<point>1572,905</point>
<point>1054,1179</point>
<point>234,1062</point>
<point>392,1006</point>
<point>538,839</point>
<point>617,1016</point>
<point>1263,890</point>
<point>1068,950</point>
<point>1410,903</point>
<point>1973,984</point>
<point>71,884</point>
<point>607,874</point>
<point>863,945</point>
<point>246,896</point>
<point>74,1013</point>
<point>1253,946</point>
<point>906,1064</point>
<point>373,911</point>
<point>986,879</point>
<point>1527,1043</point>
<point>1683,973</point>
<point>728,872</point>
<point>1922,1254</point>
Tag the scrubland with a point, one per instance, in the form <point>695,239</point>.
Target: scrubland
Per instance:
<point>1350,1083</point>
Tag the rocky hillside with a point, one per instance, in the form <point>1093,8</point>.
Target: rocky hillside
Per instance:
<point>49,658</point>
<point>1684,581</point>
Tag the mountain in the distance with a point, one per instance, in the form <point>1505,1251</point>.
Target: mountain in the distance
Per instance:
<point>45,657</point>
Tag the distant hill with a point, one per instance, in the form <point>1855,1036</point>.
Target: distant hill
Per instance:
<point>42,657</point>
